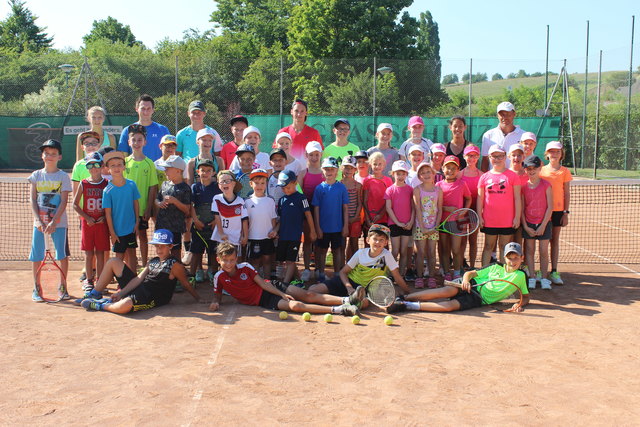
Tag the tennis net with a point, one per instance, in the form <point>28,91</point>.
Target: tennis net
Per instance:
<point>604,225</point>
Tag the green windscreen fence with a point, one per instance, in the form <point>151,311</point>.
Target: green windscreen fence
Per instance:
<point>20,137</point>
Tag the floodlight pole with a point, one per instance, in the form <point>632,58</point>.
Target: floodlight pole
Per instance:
<point>628,119</point>
<point>595,144</point>
<point>584,101</point>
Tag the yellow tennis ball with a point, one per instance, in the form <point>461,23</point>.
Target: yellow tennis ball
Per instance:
<point>388,320</point>
<point>328,317</point>
<point>355,319</point>
<point>283,315</point>
<point>306,316</point>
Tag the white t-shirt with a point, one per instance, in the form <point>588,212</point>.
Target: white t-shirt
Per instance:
<point>412,178</point>
<point>365,268</point>
<point>231,215</point>
<point>296,167</point>
<point>261,162</point>
<point>261,211</point>
<point>273,190</point>
<point>495,136</point>
<point>424,143</point>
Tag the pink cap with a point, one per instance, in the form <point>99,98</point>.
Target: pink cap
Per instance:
<point>528,135</point>
<point>451,159</point>
<point>438,148</point>
<point>471,149</point>
<point>415,120</point>
<point>553,145</point>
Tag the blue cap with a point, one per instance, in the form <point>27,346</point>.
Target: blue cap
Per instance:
<point>286,177</point>
<point>93,158</point>
<point>162,236</point>
<point>245,148</point>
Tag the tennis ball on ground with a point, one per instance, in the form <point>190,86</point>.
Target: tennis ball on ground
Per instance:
<point>328,317</point>
<point>283,315</point>
<point>388,320</point>
<point>306,316</point>
<point>355,319</point>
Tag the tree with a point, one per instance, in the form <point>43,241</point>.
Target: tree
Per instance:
<point>497,76</point>
<point>352,95</point>
<point>450,79</point>
<point>19,31</point>
<point>113,30</point>
<point>476,78</point>
<point>521,74</point>
<point>618,79</point>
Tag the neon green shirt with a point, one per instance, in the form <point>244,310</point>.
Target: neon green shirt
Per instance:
<point>332,150</point>
<point>80,171</point>
<point>144,174</point>
<point>497,291</point>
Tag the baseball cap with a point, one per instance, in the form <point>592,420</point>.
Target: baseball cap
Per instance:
<point>250,129</point>
<point>51,143</point>
<point>258,172</point>
<point>553,145</point>
<point>197,105</point>
<point>313,146</point>
<point>415,120</point>
<point>93,158</point>
<point>286,177</point>
<point>532,161</point>
<point>415,147</point>
<point>495,148</point>
<point>505,106</point>
<point>206,162</point>
<point>528,135</point>
<point>341,120</point>
<point>399,165</point>
<point>89,134</point>
<point>421,165</point>
<point>361,155</point>
<point>162,236</point>
<point>173,161</point>
<point>451,159</point>
<point>471,149</point>
<point>283,135</point>
<point>239,118</point>
<point>512,247</point>
<point>113,155</point>
<point>245,148</point>
<point>438,148</point>
<point>277,151</point>
<point>168,139</point>
<point>330,162</point>
<point>382,126</point>
<point>349,161</point>
<point>380,228</point>
<point>206,131</point>
<point>515,147</point>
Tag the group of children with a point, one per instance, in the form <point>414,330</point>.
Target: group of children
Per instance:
<point>266,207</point>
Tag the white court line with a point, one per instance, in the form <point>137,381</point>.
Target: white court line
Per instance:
<point>615,228</point>
<point>610,261</point>
<point>213,358</point>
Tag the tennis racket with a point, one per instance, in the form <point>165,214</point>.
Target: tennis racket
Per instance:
<point>380,291</point>
<point>508,304</point>
<point>246,190</point>
<point>50,276</point>
<point>461,222</point>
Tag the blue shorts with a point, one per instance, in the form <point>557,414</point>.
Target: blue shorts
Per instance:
<point>60,242</point>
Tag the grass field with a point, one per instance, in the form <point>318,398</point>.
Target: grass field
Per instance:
<point>608,173</point>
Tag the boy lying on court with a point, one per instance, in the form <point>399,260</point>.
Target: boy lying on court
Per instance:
<point>153,287</point>
<point>243,283</point>
<point>470,297</point>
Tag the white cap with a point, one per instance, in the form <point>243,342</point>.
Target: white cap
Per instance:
<point>495,148</point>
<point>250,129</point>
<point>384,126</point>
<point>415,147</point>
<point>554,145</point>
<point>313,146</point>
<point>349,161</point>
<point>505,106</point>
<point>400,165</point>
<point>438,148</point>
<point>515,147</point>
<point>173,162</point>
<point>206,131</point>
<point>283,135</point>
<point>528,135</point>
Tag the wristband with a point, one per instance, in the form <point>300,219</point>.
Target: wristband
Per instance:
<point>566,211</point>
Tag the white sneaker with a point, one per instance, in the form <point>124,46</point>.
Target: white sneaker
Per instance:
<point>532,283</point>
<point>306,275</point>
<point>556,279</point>
<point>186,258</point>
<point>545,284</point>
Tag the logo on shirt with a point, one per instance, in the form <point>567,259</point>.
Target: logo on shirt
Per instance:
<point>496,187</point>
<point>243,276</point>
<point>238,211</point>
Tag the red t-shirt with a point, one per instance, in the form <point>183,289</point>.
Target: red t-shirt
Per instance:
<point>300,140</point>
<point>499,208</point>
<point>92,198</point>
<point>375,188</point>
<point>535,201</point>
<point>228,153</point>
<point>241,285</point>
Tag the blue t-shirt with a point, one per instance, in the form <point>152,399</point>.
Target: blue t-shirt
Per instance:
<point>202,198</point>
<point>188,146</point>
<point>120,201</point>
<point>330,198</point>
<point>155,132</point>
<point>291,211</point>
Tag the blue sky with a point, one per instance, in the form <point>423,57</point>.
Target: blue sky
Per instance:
<point>501,36</point>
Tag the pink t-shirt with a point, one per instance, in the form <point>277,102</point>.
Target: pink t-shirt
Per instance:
<point>472,183</point>
<point>375,189</point>
<point>400,202</point>
<point>499,202</point>
<point>453,193</point>
<point>535,201</point>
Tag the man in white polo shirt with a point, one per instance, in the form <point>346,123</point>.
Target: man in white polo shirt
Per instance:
<point>504,135</point>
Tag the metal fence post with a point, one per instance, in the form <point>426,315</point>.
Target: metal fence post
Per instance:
<point>628,119</point>
<point>595,147</point>
<point>546,72</point>
<point>470,91</point>
<point>176,95</point>
<point>584,102</point>
<point>281,91</point>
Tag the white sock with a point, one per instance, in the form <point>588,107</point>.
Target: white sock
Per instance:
<point>345,300</point>
<point>336,309</point>
<point>412,305</point>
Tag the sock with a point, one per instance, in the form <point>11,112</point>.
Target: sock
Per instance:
<point>345,300</point>
<point>412,305</point>
<point>187,245</point>
<point>336,309</point>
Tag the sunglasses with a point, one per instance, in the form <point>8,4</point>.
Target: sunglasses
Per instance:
<point>94,165</point>
<point>91,144</point>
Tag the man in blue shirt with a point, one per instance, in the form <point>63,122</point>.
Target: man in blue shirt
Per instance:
<point>145,107</point>
<point>187,145</point>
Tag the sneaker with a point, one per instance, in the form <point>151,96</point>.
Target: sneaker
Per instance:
<point>396,307</point>
<point>63,295</point>
<point>91,294</point>
<point>555,278</point>
<point>349,310</point>
<point>297,282</point>
<point>87,285</point>
<point>200,276</point>
<point>83,276</point>
<point>410,276</point>
<point>357,297</point>
<point>545,284</point>
<point>419,283</point>
<point>431,283</point>
<point>448,276</point>
<point>532,283</point>
<point>35,296</point>
<point>306,275</point>
<point>92,304</point>
<point>329,259</point>
<point>186,258</point>
<point>538,275</point>
<point>526,270</point>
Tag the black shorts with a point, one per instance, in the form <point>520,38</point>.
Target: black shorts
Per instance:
<point>337,288</point>
<point>498,231</point>
<point>126,276</point>
<point>545,236</point>
<point>334,239</point>
<point>468,300</point>
<point>556,218</point>
<point>143,224</point>
<point>258,248</point>
<point>287,250</point>
<point>270,301</point>
<point>397,231</point>
<point>124,243</point>
<point>201,242</point>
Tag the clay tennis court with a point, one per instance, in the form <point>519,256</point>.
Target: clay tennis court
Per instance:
<point>570,358</point>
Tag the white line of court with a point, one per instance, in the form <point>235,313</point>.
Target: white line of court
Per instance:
<point>610,261</point>
<point>614,227</point>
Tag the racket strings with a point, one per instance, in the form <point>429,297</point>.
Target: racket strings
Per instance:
<point>381,293</point>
